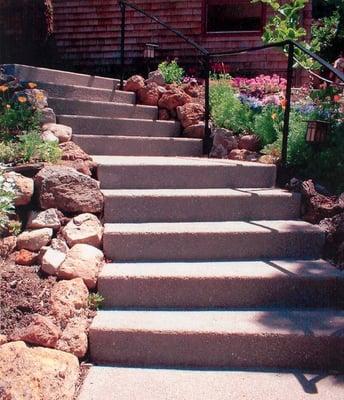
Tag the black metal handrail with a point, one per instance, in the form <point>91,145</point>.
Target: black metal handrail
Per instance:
<point>207,57</point>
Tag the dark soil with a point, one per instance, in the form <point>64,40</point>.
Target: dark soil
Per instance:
<point>22,292</point>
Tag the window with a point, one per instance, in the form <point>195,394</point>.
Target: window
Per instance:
<point>233,16</point>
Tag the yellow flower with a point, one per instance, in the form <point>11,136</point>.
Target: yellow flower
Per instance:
<point>3,88</point>
<point>39,96</point>
<point>22,99</point>
<point>32,85</point>
<point>274,116</point>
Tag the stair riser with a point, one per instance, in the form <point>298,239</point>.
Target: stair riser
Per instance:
<point>85,93</point>
<point>211,246</point>
<point>189,293</point>
<point>34,74</point>
<point>120,127</point>
<point>207,350</point>
<point>72,107</point>
<point>121,146</point>
<point>132,209</point>
<point>188,177</point>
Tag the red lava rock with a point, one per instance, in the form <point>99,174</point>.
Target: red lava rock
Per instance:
<point>134,83</point>
<point>174,98</point>
<point>7,245</point>
<point>149,95</point>
<point>192,89</point>
<point>25,257</point>
<point>190,114</point>
<point>195,131</point>
<point>73,156</point>
<point>249,142</point>
<point>164,115</point>
<point>40,330</point>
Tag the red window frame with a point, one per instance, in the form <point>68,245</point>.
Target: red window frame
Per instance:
<point>230,33</point>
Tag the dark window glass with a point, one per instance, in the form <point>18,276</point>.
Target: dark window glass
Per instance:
<point>233,15</point>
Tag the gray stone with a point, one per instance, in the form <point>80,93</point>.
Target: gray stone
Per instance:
<point>44,219</point>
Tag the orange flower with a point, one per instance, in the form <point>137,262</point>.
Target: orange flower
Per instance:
<point>22,99</point>
<point>3,88</point>
<point>336,98</point>
<point>283,103</point>
<point>32,85</point>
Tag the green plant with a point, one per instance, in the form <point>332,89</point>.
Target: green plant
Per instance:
<point>7,196</point>
<point>14,227</point>
<point>29,148</point>
<point>227,111</point>
<point>95,301</point>
<point>171,71</point>
<point>268,124</point>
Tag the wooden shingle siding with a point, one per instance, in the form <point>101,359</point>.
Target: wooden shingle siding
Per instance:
<point>87,34</point>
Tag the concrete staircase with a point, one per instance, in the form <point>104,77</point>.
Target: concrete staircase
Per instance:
<point>211,267</point>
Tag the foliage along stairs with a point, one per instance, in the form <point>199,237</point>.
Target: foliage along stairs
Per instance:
<point>216,290</point>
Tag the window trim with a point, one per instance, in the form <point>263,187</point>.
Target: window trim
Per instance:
<point>232,33</point>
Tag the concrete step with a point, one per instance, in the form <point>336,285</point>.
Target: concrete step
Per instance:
<point>181,173</point>
<point>115,383</point>
<point>191,205</point>
<point>282,338</point>
<point>38,74</point>
<point>139,146</point>
<point>119,126</point>
<point>102,109</point>
<point>86,93</point>
<point>212,240</point>
<point>225,284</point>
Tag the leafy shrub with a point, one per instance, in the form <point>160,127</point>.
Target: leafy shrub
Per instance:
<point>227,110</point>
<point>171,71</point>
<point>7,196</point>
<point>268,124</point>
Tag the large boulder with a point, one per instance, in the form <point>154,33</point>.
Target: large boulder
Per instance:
<point>40,330</point>
<point>62,133</point>
<point>24,187</point>
<point>156,77</point>
<point>190,114</point>
<point>74,337</point>
<point>318,206</point>
<point>73,156</point>
<point>82,261</point>
<point>173,98</point>
<point>250,143</point>
<point>37,373</point>
<point>149,95</point>
<point>84,228</point>
<point>68,190</point>
<point>34,240</point>
<point>134,83</point>
<point>67,298</point>
<point>49,218</point>
<point>223,143</point>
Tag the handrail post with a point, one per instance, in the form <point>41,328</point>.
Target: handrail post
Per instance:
<point>287,105</point>
<point>207,131</point>
<point>123,9</point>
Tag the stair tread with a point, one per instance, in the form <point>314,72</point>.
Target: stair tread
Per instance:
<point>183,161</point>
<point>238,192</point>
<point>264,269</point>
<point>140,138</point>
<point>213,227</point>
<point>113,383</point>
<point>317,323</point>
<point>142,120</point>
<point>100,102</point>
